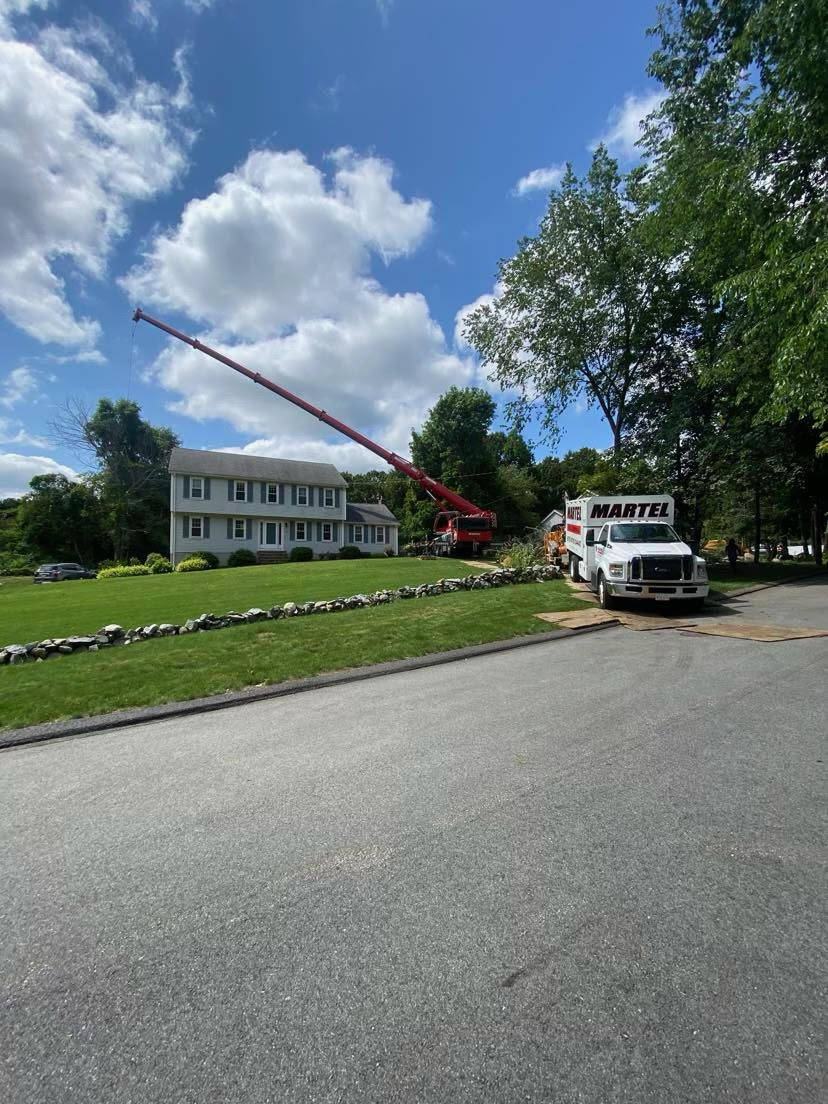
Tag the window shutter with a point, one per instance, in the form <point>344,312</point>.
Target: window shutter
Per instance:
<point>206,528</point>
<point>319,530</point>
<point>250,529</point>
<point>350,534</point>
<point>336,497</point>
<point>310,497</point>
<point>293,531</point>
<point>293,494</point>
<point>263,488</point>
<point>186,492</point>
<point>281,494</point>
<point>229,528</point>
<point>335,533</point>
<point>230,489</point>
<point>185,526</point>
<point>250,490</point>
<point>373,534</point>
<point>320,496</point>
<point>206,486</point>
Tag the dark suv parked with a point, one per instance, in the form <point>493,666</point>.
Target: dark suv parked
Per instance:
<point>57,572</point>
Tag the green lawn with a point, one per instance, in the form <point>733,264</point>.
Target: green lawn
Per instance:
<point>724,578</point>
<point>177,668</point>
<point>29,612</point>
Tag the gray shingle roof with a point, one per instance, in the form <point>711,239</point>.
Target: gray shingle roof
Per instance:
<point>233,465</point>
<point>369,513</point>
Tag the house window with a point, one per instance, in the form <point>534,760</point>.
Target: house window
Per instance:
<point>329,496</point>
<point>196,527</point>
<point>358,538</point>
<point>327,531</point>
<point>241,491</point>
<point>380,534</point>
<point>239,528</point>
<point>301,496</point>
<point>273,492</point>
<point>301,531</point>
<point>196,487</point>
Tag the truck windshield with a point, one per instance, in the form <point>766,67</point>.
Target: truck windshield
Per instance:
<point>643,533</point>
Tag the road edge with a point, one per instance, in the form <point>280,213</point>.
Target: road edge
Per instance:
<point>125,718</point>
<point>725,595</point>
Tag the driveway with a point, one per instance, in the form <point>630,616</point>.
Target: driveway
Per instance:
<point>592,870</point>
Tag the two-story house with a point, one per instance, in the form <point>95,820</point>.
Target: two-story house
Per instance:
<point>221,501</point>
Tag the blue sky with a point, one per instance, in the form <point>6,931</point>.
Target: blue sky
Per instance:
<point>320,187</point>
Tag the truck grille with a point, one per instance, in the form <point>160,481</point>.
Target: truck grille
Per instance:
<point>661,567</point>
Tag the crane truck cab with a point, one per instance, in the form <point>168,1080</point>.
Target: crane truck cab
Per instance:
<point>624,546</point>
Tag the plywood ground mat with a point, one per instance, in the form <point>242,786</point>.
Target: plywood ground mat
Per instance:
<point>741,631</point>
<point>640,622</point>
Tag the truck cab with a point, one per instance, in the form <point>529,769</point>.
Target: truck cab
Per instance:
<point>626,547</point>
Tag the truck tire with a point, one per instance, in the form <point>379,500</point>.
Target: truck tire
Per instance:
<point>605,599</point>
<point>574,574</point>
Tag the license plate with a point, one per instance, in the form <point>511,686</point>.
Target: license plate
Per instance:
<point>662,597</point>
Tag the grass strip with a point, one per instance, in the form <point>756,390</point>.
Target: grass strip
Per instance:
<point>723,577</point>
<point>29,612</point>
<point>170,669</point>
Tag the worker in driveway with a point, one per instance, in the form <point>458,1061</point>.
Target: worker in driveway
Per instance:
<point>732,553</point>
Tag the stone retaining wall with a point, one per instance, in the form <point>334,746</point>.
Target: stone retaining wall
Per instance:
<point>114,635</point>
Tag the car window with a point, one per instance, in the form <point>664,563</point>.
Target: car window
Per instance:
<point>602,536</point>
<point>70,567</point>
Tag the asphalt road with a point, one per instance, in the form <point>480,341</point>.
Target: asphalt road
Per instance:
<point>592,870</point>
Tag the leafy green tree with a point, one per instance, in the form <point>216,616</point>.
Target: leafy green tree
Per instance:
<point>740,178</point>
<point>582,303</point>
<point>454,444</point>
<point>62,520</point>
<point>132,482</point>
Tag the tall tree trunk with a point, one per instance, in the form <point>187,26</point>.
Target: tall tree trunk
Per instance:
<point>805,527</point>
<point>757,524</point>
<point>817,533</point>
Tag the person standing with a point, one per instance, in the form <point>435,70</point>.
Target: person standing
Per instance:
<point>732,553</point>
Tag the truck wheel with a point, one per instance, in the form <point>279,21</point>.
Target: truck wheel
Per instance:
<point>605,600</point>
<point>574,574</point>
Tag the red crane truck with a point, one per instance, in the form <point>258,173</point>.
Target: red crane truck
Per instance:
<point>460,528</point>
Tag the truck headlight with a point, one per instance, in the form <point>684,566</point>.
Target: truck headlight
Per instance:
<point>616,571</point>
<point>701,569</point>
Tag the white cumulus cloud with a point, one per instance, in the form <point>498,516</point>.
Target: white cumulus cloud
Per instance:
<point>623,127</point>
<point>539,180</point>
<point>81,141</point>
<point>20,385</point>
<point>277,262</point>
<point>16,471</point>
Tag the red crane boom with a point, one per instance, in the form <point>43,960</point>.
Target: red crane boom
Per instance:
<point>464,524</point>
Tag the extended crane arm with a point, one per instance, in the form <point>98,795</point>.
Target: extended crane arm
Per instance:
<point>431,486</point>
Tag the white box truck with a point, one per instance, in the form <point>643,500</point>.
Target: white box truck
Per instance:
<point>624,546</point>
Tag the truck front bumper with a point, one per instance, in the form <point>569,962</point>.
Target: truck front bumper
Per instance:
<point>659,591</point>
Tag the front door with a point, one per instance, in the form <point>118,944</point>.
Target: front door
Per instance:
<point>270,534</point>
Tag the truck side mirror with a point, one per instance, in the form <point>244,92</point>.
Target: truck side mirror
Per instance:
<point>590,536</point>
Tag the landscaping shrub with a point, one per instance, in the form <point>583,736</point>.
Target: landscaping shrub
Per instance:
<point>208,557</point>
<point>388,551</point>
<point>160,566</point>
<point>522,553</point>
<point>300,554</point>
<point>193,563</point>
<point>241,557</point>
<point>350,552</point>
<point>123,572</point>
<point>152,558</point>
<point>16,565</point>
